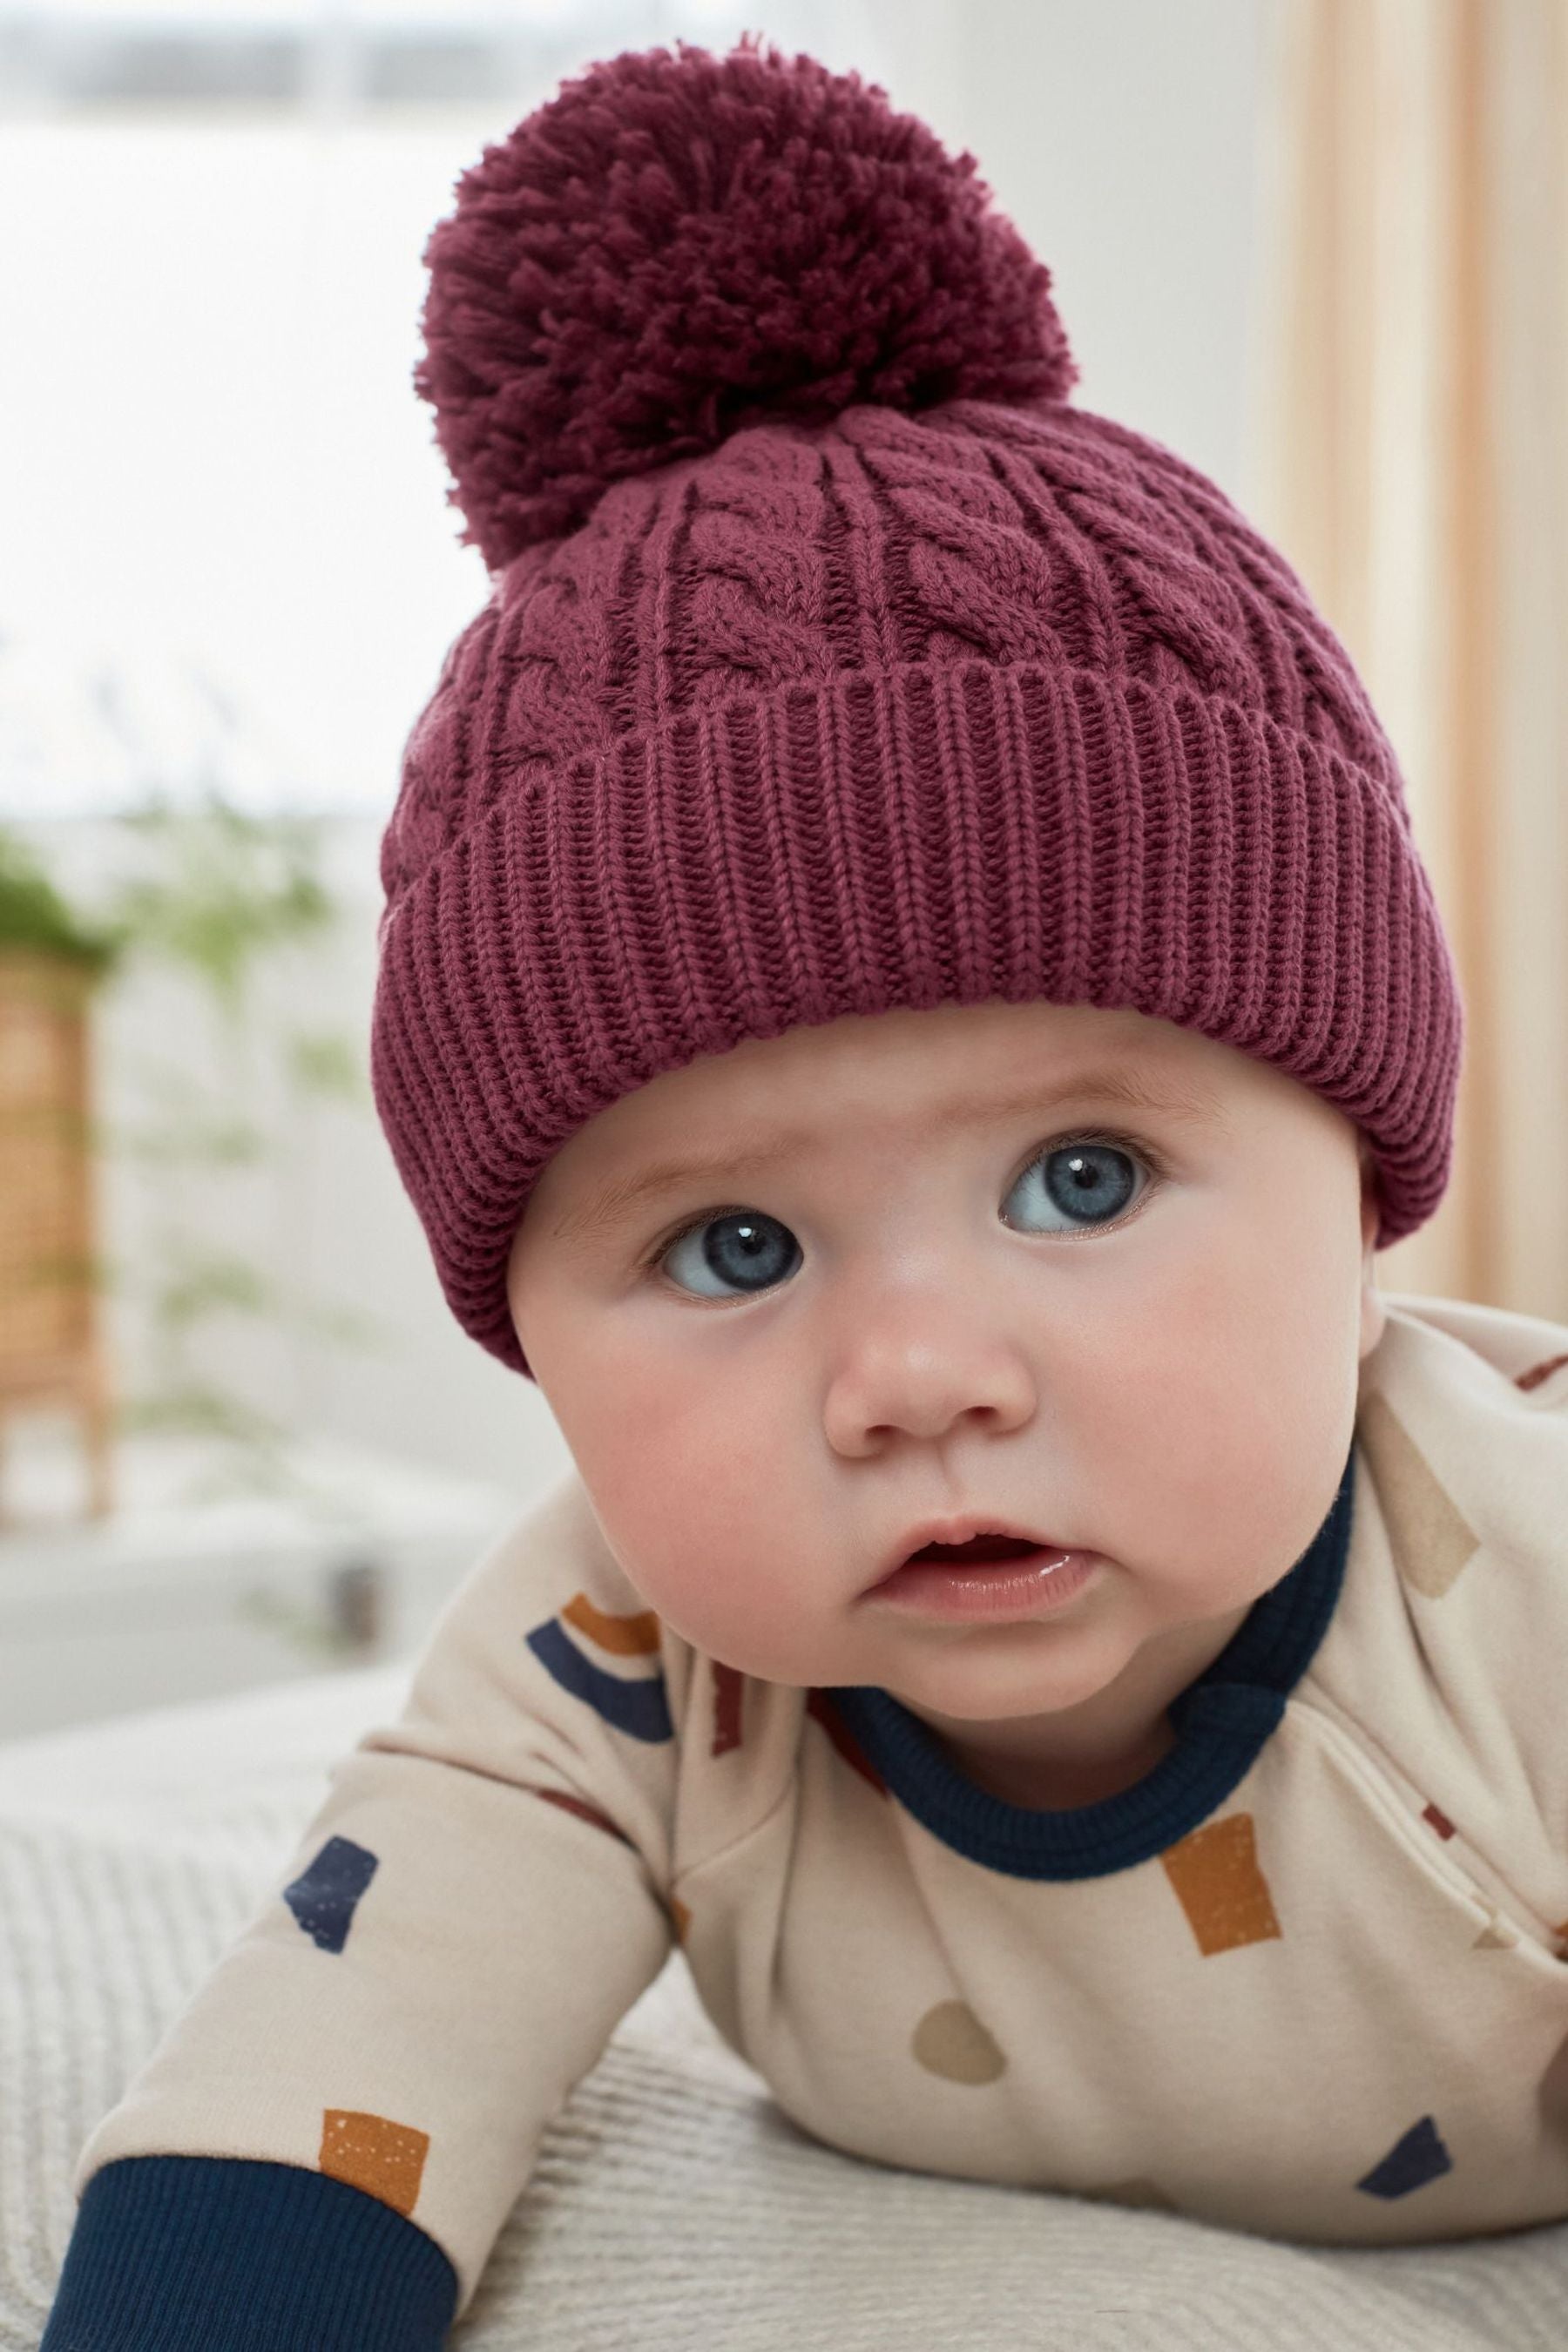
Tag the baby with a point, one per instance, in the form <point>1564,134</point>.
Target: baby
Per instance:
<point>908,1004</point>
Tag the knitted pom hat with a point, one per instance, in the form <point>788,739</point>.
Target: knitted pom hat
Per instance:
<point>834,662</point>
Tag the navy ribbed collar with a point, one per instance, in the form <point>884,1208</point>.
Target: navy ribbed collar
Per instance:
<point>1221,1722</point>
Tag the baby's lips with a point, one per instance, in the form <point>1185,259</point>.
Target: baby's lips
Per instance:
<point>965,1538</point>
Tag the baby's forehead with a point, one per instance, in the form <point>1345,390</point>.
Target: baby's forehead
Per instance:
<point>942,1053</point>
<point>900,1073</point>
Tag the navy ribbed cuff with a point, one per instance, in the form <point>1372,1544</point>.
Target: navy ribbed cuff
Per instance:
<point>200,2253</point>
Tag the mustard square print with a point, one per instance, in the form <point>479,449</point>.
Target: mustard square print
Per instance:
<point>1220,1884</point>
<point>386,2160</point>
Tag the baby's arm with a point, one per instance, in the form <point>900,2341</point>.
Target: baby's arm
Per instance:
<point>324,2145</point>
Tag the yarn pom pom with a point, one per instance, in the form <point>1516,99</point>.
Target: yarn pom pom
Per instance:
<point>679,244</point>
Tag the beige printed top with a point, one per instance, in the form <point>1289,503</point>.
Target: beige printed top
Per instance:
<point>1308,1977</point>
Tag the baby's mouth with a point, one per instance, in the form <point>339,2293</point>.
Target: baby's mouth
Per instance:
<point>979,1550</point>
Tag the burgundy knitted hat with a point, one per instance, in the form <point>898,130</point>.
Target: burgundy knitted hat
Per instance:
<point>833,662</point>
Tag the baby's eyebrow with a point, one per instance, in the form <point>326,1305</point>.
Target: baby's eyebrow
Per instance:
<point>756,1150</point>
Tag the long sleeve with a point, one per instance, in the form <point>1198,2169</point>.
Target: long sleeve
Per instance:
<point>468,1915</point>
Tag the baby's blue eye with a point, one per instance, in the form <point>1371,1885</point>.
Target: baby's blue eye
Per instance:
<point>1080,1179</point>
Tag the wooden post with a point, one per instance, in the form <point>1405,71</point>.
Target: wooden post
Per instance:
<point>52,1348</point>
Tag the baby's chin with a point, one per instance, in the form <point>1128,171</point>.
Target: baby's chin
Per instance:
<point>989,1685</point>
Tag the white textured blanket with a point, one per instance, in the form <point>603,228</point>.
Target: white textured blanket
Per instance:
<point>672,2204</point>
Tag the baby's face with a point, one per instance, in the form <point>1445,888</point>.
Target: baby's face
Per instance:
<point>1147,1348</point>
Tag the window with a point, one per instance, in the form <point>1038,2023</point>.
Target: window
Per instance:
<point>227,557</point>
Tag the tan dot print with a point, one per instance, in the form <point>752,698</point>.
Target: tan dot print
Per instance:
<point>949,2041</point>
<point>1220,1886</point>
<point>1429,1536</point>
<point>386,2160</point>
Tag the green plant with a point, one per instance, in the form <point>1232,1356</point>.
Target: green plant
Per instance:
<point>216,897</point>
<point>33,914</point>
<point>225,887</point>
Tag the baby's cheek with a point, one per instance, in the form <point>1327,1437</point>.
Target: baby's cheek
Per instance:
<point>1208,1421</point>
<point>683,1537</point>
<point>739,1596</point>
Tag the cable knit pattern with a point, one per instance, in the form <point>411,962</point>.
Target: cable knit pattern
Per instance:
<point>978,699</point>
